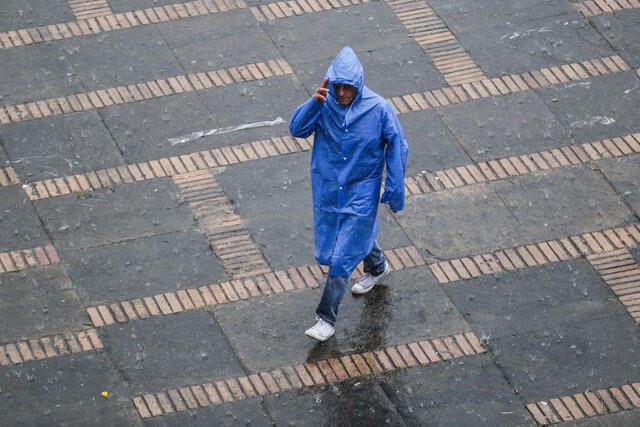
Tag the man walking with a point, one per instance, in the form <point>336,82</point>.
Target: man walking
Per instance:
<point>356,133</point>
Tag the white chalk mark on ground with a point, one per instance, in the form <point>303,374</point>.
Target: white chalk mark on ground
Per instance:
<point>219,131</point>
<point>517,34</point>
<point>592,121</point>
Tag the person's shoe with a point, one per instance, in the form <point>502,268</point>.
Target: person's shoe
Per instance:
<point>367,281</point>
<point>322,331</point>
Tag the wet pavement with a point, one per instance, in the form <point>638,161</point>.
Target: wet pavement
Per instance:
<point>137,288</point>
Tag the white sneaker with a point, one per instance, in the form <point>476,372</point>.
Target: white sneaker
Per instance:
<point>322,331</point>
<point>366,282</point>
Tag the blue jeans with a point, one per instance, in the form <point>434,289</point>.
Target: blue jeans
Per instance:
<point>336,287</point>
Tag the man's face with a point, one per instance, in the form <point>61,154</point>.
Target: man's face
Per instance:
<point>345,94</point>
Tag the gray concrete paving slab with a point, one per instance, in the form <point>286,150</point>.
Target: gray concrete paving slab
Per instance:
<point>216,41</point>
<point>390,71</point>
<point>66,391</point>
<point>471,391</point>
<point>598,108</point>
<point>461,222</point>
<point>432,146</point>
<point>618,29</point>
<point>351,403</point>
<point>374,24</point>
<point>473,16</point>
<point>570,358</point>
<point>256,101</point>
<point>142,267</point>
<point>167,352</point>
<point>504,126</point>
<point>142,129</point>
<point>406,306</point>
<point>535,44</point>
<point>50,74</point>
<point>39,302</point>
<point>563,202</point>
<point>623,175</point>
<point>4,160</point>
<point>62,145</point>
<point>20,227</point>
<point>108,216</point>
<point>33,13</point>
<point>98,59</point>
<point>534,299</point>
<point>245,412</point>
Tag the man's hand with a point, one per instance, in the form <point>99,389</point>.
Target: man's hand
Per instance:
<point>321,91</point>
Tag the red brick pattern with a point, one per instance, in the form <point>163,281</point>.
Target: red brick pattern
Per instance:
<point>465,91</point>
<point>263,284</point>
<point>224,228</point>
<point>520,165</point>
<point>139,92</point>
<point>598,7</point>
<point>84,9</point>
<point>165,167</point>
<point>586,404</point>
<point>289,8</point>
<point>587,244</point>
<point>13,261</point>
<point>329,371</point>
<point>432,34</point>
<point>620,271</point>
<point>49,347</point>
<point>112,22</point>
<point>8,177</point>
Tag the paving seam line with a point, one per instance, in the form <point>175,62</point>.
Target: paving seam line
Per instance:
<point>50,347</point>
<point>84,9</point>
<point>18,260</point>
<point>118,21</point>
<point>225,231</point>
<point>276,146</point>
<point>300,376</point>
<point>102,98</point>
<point>598,7</point>
<point>621,272</point>
<point>590,403</point>
<point>436,40</point>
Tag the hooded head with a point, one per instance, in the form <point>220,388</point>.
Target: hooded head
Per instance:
<point>346,69</point>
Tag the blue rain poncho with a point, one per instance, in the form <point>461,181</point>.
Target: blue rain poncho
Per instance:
<point>351,146</point>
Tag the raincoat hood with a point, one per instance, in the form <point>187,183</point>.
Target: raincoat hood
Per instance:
<point>346,69</point>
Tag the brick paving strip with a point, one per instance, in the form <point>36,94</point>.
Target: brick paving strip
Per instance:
<point>286,9</point>
<point>8,177</point>
<point>598,7</point>
<point>84,9</point>
<point>587,244</point>
<point>117,21</point>
<point>277,146</point>
<point>223,227</point>
<point>49,347</point>
<point>19,260</point>
<point>507,167</point>
<point>621,272</point>
<point>139,92</point>
<point>295,377</point>
<point>435,39</point>
<point>505,85</point>
<point>263,284</point>
<point>586,404</point>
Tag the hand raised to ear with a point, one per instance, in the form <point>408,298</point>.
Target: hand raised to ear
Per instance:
<point>321,91</point>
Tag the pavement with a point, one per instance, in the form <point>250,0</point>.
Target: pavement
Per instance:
<point>148,277</point>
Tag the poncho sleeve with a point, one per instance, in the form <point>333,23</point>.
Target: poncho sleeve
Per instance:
<point>396,153</point>
<point>304,118</point>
